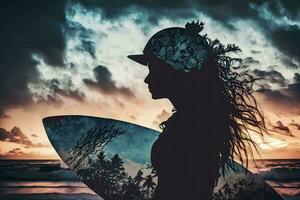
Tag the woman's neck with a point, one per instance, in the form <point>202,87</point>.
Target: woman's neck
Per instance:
<point>189,105</point>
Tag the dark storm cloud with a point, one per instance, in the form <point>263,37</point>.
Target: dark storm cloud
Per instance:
<point>274,95</point>
<point>15,135</point>
<point>282,35</point>
<point>219,9</point>
<point>16,153</point>
<point>289,63</point>
<point>250,60</point>
<point>57,89</point>
<point>281,100</point>
<point>28,27</point>
<point>13,152</point>
<point>281,128</point>
<point>280,97</point>
<point>296,125</point>
<point>288,96</point>
<point>294,88</point>
<point>75,29</point>
<point>154,9</point>
<point>287,40</point>
<point>105,83</point>
<point>289,8</point>
<point>270,76</point>
<point>38,27</point>
<point>89,46</point>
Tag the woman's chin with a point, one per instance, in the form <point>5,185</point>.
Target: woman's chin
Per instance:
<point>155,96</point>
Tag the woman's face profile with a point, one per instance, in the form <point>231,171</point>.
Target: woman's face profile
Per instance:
<point>159,80</point>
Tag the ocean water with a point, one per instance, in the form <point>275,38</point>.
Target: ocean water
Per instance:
<point>41,180</point>
<point>52,180</point>
<point>282,175</point>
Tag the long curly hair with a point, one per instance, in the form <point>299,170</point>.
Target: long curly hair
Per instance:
<point>240,109</point>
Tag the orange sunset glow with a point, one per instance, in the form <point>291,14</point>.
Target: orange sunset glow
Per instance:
<point>279,144</point>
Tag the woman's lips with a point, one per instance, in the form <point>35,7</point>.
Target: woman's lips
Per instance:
<point>149,88</point>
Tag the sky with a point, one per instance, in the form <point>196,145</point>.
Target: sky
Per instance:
<point>70,57</point>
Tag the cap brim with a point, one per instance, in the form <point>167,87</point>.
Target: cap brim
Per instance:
<point>141,58</point>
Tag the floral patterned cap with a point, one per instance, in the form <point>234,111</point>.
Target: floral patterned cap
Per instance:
<point>182,48</point>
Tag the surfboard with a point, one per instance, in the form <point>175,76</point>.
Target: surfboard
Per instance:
<point>112,157</point>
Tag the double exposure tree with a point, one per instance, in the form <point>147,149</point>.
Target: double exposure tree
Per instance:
<point>107,176</point>
<point>243,189</point>
<point>93,140</point>
<point>149,186</point>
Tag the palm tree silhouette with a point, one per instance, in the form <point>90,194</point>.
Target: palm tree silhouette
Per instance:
<point>149,185</point>
<point>139,177</point>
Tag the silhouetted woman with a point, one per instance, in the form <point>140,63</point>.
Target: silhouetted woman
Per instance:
<point>213,109</point>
